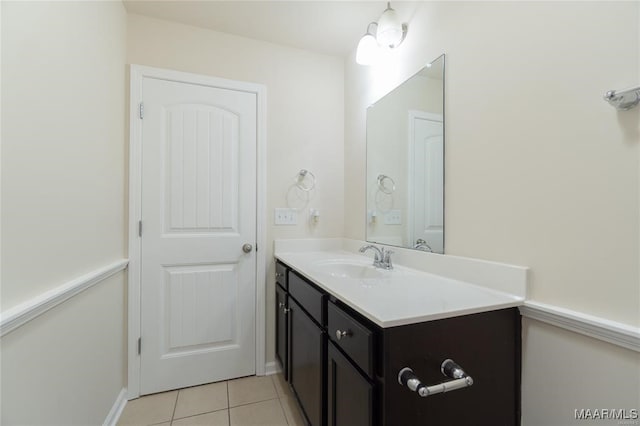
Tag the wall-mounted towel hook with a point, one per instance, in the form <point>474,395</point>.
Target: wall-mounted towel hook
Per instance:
<point>623,99</point>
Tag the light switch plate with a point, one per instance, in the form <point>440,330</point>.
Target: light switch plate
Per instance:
<point>393,217</point>
<point>285,216</point>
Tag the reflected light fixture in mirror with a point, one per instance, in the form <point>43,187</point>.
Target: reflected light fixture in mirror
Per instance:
<point>390,33</point>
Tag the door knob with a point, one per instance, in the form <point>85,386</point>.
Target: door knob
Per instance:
<point>247,248</point>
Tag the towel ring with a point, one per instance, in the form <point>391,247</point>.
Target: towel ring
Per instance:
<point>305,175</point>
<point>386,184</point>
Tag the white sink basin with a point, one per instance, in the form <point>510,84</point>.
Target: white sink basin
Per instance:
<point>349,269</point>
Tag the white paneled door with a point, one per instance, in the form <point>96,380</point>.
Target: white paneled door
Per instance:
<point>428,174</point>
<point>198,285</point>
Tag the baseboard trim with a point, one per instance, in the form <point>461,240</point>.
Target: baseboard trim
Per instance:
<point>603,329</point>
<point>116,409</point>
<point>272,367</point>
<point>27,311</point>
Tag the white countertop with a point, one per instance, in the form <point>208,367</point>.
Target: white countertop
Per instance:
<point>400,296</point>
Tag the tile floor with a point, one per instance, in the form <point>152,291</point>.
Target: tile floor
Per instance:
<point>265,400</point>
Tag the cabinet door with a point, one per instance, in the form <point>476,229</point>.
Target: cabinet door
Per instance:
<point>306,360</point>
<point>282,338</point>
<point>349,393</point>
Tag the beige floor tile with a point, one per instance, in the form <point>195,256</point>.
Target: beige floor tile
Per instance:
<point>251,389</point>
<point>150,409</point>
<point>292,411</point>
<point>282,387</point>
<point>201,399</point>
<point>265,413</point>
<point>217,418</point>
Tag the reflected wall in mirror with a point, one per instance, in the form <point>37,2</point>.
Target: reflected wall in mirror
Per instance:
<point>405,163</point>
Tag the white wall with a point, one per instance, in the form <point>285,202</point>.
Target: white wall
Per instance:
<point>62,143</point>
<point>67,366</point>
<point>539,170</point>
<point>63,128</point>
<point>564,371</point>
<point>304,117</point>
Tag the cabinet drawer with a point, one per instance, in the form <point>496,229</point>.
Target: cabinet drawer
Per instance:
<point>281,275</point>
<point>356,339</point>
<point>310,298</point>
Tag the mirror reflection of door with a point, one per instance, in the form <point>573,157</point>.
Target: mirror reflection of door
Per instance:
<point>426,150</point>
<point>405,141</point>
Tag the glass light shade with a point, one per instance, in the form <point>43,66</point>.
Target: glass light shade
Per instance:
<point>389,29</point>
<point>367,51</point>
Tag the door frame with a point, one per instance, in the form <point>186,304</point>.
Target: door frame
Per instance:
<point>137,74</point>
<point>413,114</point>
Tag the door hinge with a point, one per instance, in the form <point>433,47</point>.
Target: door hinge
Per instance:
<point>139,228</point>
<point>141,110</point>
<point>139,345</point>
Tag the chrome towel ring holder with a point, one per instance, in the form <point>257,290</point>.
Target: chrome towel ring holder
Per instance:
<point>623,99</point>
<point>386,184</point>
<point>305,180</point>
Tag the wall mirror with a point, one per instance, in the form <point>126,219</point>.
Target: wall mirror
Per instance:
<point>405,163</point>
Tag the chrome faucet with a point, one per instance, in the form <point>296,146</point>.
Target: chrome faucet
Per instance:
<point>382,257</point>
<point>422,245</point>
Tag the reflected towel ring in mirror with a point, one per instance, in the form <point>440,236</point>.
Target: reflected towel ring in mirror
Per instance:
<point>305,180</point>
<point>386,184</point>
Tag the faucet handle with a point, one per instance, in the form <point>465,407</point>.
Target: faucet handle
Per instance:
<point>386,258</point>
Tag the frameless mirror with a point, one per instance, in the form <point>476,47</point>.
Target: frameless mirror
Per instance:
<point>405,163</point>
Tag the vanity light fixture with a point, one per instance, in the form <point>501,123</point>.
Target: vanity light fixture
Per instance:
<point>367,51</point>
<point>389,33</point>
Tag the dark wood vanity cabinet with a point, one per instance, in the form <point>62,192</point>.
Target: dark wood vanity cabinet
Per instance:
<point>282,324</point>
<point>307,358</point>
<point>282,334</point>
<point>486,345</point>
<point>344,369</point>
<point>349,393</point>
<point>301,342</point>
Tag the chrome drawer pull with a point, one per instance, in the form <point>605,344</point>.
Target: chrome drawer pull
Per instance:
<point>279,275</point>
<point>449,368</point>
<point>340,334</point>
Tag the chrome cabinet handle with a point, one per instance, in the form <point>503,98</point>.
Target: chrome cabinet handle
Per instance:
<point>281,305</point>
<point>340,334</point>
<point>279,275</point>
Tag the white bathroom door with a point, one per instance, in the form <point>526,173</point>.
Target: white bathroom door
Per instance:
<point>198,285</point>
<point>428,175</point>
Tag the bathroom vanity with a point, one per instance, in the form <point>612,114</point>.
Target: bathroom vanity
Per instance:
<point>345,330</point>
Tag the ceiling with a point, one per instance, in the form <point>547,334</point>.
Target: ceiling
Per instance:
<point>329,27</point>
